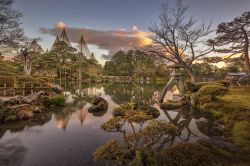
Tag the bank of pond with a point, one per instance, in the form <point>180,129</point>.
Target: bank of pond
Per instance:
<point>123,124</point>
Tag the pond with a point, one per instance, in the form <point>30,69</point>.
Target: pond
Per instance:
<point>69,135</point>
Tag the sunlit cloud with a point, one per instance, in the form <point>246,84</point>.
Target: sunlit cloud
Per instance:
<point>113,40</point>
<point>60,25</point>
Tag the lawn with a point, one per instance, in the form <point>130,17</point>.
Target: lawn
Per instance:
<point>239,96</point>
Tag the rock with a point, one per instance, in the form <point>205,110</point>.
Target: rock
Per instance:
<point>35,97</point>
<point>221,142</point>
<point>56,88</point>
<point>23,111</point>
<point>99,104</point>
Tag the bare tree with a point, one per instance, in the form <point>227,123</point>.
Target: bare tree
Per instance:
<point>178,38</point>
<point>10,31</point>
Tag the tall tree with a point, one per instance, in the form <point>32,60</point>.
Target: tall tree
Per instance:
<point>28,52</point>
<point>233,37</point>
<point>10,31</point>
<point>178,39</point>
<point>62,52</point>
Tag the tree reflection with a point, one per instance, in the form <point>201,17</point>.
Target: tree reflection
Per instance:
<point>182,121</point>
<point>124,92</point>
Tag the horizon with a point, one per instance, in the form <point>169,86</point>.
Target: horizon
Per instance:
<point>99,22</point>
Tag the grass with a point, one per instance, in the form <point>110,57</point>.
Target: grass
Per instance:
<point>239,96</point>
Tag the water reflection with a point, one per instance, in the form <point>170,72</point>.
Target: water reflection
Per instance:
<point>184,120</point>
<point>12,152</point>
<point>71,134</point>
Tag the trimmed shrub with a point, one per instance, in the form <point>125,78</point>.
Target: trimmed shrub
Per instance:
<point>241,134</point>
<point>215,91</point>
<point>120,111</point>
<point>57,100</point>
<point>185,154</point>
<point>224,83</point>
<point>25,78</point>
<point>6,66</point>
<point>8,80</point>
<point>202,84</point>
<point>6,73</point>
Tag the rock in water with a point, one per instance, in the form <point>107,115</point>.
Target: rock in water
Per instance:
<point>99,104</point>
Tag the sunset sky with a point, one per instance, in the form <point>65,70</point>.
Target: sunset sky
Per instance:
<point>111,25</point>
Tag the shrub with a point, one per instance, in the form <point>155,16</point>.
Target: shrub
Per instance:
<point>25,78</point>
<point>241,133</point>
<point>224,83</point>
<point>120,111</point>
<point>57,100</point>
<point>194,99</point>
<point>202,84</point>
<point>185,154</point>
<point>6,66</point>
<point>8,80</point>
<point>191,87</point>
<point>6,73</point>
<point>215,91</point>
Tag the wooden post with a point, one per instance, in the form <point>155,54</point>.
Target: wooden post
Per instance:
<point>32,89</point>
<point>14,93</point>
<point>4,91</point>
<point>24,89</point>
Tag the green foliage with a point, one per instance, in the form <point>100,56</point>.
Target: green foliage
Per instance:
<point>10,118</point>
<point>6,73</point>
<point>7,67</point>
<point>202,70</point>
<point>224,83</point>
<point>132,63</point>
<point>111,150</point>
<point>155,128</point>
<point>57,100</point>
<point>8,80</point>
<point>140,133</point>
<point>215,91</point>
<point>149,110</point>
<point>241,134</point>
<point>185,154</point>
<point>201,84</point>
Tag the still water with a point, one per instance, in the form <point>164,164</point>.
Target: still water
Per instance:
<point>69,136</point>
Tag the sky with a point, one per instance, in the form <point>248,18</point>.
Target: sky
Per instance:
<point>112,25</point>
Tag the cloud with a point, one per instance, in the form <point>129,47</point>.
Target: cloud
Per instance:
<point>112,40</point>
<point>106,56</point>
<point>60,25</point>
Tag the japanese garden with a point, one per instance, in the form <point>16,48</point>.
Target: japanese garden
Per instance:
<point>175,93</point>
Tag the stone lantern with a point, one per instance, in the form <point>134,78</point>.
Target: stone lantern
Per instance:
<point>174,89</point>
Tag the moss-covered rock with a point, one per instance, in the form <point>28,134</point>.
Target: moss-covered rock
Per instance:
<point>99,104</point>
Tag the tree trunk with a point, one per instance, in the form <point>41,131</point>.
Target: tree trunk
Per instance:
<point>246,54</point>
<point>190,73</point>
<point>60,76</point>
